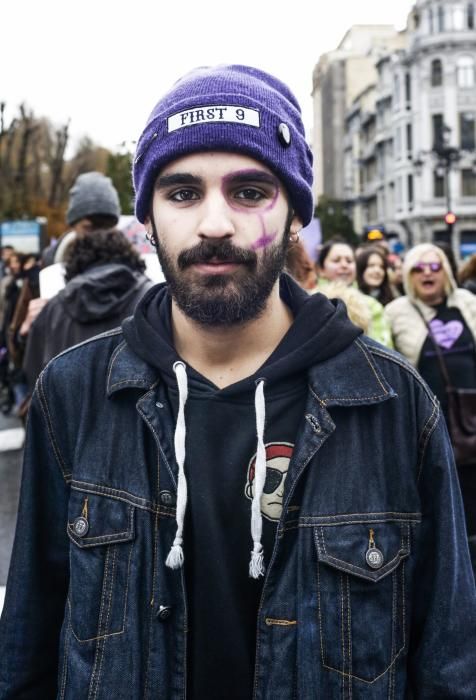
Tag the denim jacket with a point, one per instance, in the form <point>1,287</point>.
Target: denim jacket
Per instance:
<point>369,591</point>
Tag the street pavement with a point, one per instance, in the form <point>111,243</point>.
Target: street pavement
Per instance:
<point>11,442</point>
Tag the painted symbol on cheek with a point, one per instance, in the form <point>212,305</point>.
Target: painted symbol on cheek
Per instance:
<point>264,241</point>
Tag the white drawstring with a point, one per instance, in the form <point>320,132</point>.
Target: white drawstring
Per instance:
<point>175,557</point>
<point>257,559</point>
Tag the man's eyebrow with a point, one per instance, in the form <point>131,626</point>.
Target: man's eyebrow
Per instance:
<point>177,179</point>
<point>243,176</point>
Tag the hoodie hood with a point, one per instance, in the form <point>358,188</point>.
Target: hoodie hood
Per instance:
<point>321,329</point>
<point>101,292</point>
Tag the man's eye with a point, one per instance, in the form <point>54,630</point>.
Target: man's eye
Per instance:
<point>183,196</point>
<point>250,194</point>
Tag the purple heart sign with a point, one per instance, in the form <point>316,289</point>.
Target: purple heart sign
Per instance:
<point>446,334</point>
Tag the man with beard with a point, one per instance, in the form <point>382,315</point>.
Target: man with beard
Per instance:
<point>236,494</point>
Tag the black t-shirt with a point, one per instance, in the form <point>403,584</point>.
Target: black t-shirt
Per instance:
<point>456,343</point>
<point>223,599</point>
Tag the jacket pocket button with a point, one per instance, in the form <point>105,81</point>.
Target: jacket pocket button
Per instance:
<point>164,612</point>
<point>374,558</point>
<point>167,498</point>
<point>80,526</point>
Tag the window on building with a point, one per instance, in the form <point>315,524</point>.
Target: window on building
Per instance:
<point>372,210</point>
<point>468,183</point>
<point>470,15</point>
<point>437,126</point>
<point>409,140</point>
<point>458,19</point>
<point>438,185</point>
<point>408,88</point>
<point>398,143</point>
<point>396,91</point>
<point>441,18</point>
<point>436,73</point>
<point>410,191</point>
<point>467,130</point>
<point>431,21</point>
<point>465,71</point>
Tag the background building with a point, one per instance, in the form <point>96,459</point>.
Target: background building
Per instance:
<point>409,134</point>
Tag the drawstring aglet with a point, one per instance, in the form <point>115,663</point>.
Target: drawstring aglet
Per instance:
<point>175,556</point>
<point>257,561</point>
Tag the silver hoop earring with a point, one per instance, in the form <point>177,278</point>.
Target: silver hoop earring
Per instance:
<point>294,237</point>
<point>151,239</point>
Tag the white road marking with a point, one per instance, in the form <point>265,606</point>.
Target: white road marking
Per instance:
<point>2,597</point>
<point>12,439</point>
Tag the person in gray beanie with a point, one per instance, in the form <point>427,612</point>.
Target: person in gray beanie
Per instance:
<point>93,204</point>
<point>236,494</point>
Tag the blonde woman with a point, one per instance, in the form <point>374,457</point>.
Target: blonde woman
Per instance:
<point>433,301</point>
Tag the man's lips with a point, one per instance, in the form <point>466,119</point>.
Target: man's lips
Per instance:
<point>216,266</point>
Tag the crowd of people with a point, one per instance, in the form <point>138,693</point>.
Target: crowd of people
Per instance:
<point>422,304</point>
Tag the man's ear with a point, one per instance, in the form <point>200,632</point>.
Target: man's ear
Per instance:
<point>296,225</point>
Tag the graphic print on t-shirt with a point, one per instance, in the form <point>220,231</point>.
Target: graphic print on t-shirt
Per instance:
<point>278,456</point>
<point>446,334</point>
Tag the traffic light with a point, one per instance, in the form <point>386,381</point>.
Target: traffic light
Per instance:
<point>450,219</point>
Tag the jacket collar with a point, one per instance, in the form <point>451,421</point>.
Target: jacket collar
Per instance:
<point>351,378</point>
<point>128,371</point>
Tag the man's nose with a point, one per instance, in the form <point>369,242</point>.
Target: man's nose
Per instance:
<point>216,218</point>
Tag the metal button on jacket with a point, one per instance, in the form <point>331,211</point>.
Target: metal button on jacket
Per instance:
<point>374,558</point>
<point>80,526</point>
<point>284,134</point>
<point>167,498</point>
<point>164,612</point>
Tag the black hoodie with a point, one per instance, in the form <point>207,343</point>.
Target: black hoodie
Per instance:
<point>219,466</point>
<point>92,302</point>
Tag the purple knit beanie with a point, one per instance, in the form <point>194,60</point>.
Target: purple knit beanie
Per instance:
<point>227,108</point>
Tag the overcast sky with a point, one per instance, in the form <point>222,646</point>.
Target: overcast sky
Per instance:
<point>104,63</point>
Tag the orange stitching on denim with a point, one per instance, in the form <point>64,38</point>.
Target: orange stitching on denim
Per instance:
<point>372,366</point>
<point>109,492</point>
<point>342,634</point>
<point>65,657</point>
<point>49,426</point>
<point>406,366</point>
<point>357,570</point>
<point>279,623</point>
<point>110,538</point>
<point>319,612</point>
<point>405,544</point>
<point>99,645</point>
<point>114,355</point>
<point>108,617</point>
<point>427,439</point>
<point>154,576</point>
<point>349,633</point>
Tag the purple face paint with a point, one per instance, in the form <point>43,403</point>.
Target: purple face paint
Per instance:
<point>264,241</point>
<point>245,177</point>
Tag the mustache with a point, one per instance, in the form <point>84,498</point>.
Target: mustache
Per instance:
<point>223,251</point>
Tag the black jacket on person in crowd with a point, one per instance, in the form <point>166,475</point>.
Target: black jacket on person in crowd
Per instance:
<point>93,302</point>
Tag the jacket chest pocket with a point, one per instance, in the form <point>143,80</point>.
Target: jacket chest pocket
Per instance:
<point>101,531</point>
<point>361,596</point>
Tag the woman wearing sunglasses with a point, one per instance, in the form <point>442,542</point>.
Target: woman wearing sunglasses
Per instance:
<point>434,312</point>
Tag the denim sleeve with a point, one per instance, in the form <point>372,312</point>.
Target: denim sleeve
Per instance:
<point>442,653</point>
<point>38,577</point>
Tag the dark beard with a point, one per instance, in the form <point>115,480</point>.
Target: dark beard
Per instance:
<point>223,300</point>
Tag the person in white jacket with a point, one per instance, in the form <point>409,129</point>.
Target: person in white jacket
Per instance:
<point>433,302</point>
